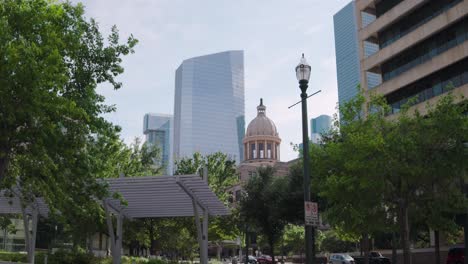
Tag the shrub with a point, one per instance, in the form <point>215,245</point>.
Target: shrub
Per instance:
<point>13,256</point>
<point>156,261</point>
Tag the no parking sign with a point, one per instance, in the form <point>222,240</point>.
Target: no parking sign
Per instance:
<point>311,214</point>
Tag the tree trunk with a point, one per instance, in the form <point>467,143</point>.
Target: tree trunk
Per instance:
<point>365,240</point>
<point>4,238</point>
<point>361,245</point>
<point>218,251</point>
<point>394,248</point>
<point>404,231</point>
<point>272,250</point>
<point>437,246</point>
<point>152,240</point>
<point>4,162</point>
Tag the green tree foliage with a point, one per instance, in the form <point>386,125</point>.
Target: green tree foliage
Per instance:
<point>261,205</point>
<point>140,160</point>
<point>293,239</point>
<point>51,60</point>
<point>332,242</point>
<point>349,174</point>
<point>377,168</point>
<point>425,164</point>
<point>221,171</point>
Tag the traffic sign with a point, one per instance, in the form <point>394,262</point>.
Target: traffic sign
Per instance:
<point>311,214</point>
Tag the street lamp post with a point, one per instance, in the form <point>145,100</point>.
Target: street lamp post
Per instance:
<point>465,224</point>
<point>303,75</point>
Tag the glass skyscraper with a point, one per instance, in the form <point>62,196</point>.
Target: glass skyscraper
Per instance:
<point>158,129</point>
<point>319,125</point>
<point>347,53</point>
<point>209,105</point>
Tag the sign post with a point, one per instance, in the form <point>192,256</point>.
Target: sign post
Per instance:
<point>311,214</point>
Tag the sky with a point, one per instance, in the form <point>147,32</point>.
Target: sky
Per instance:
<point>272,33</point>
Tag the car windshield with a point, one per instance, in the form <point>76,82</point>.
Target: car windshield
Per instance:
<point>347,257</point>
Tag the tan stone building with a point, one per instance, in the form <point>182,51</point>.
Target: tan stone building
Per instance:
<point>261,148</point>
<point>422,48</point>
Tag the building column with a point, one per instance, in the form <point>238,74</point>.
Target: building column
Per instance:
<point>256,150</point>
<point>246,151</point>
<point>278,150</point>
<point>273,150</point>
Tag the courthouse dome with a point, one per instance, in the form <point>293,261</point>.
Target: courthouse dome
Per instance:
<point>261,141</point>
<point>261,125</point>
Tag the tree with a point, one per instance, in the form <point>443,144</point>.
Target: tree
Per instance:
<point>52,60</point>
<point>260,206</point>
<point>425,157</point>
<point>392,165</point>
<point>7,226</point>
<point>348,166</point>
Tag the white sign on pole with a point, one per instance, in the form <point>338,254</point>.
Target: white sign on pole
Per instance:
<point>311,214</point>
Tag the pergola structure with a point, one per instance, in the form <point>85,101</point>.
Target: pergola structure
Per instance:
<point>145,197</point>
<point>162,196</point>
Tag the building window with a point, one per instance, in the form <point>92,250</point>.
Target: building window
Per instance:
<point>261,149</point>
<point>435,84</point>
<point>253,152</point>
<point>269,150</point>
<point>426,50</point>
<point>413,20</point>
<point>383,6</point>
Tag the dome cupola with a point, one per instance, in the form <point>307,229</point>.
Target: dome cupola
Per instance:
<point>261,139</point>
<point>261,125</point>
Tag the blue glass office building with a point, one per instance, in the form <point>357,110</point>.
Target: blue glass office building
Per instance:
<point>318,126</point>
<point>158,129</point>
<point>347,53</point>
<point>321,124</point>
<point>209,105</point>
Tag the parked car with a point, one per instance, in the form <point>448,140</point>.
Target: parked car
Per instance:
<point>374,258</point>
<point>341,259</point>
<point>456,255</point>
<point>252,260</point>
<point>264,259</point>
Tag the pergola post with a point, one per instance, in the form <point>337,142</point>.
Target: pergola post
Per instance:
<point>30,235</point>
<point>119,236</point>
<point>205,218</point>
<point>200,235</point>
<point>115,240</point>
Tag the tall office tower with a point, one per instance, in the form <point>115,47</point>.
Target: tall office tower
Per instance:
<point>423,49</point>
<point>319,125</point>
<point>347,52</point>
<point>209,105</point>
<point>158,129</point>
